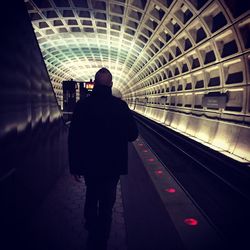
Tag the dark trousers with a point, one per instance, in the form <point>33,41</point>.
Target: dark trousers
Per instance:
<point>100,199</point>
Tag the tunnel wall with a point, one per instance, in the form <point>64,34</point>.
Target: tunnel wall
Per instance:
<point>32,131</point>
<point>194,77</point>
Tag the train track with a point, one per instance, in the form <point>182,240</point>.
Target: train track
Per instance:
<point>218,185</point>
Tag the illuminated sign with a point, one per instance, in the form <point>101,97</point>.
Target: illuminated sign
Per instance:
<point>89,86</point>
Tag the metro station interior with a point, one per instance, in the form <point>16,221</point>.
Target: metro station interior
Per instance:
<point>183,68</point>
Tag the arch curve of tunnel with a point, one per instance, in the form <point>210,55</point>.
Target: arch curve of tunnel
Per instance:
<point>182,63</point>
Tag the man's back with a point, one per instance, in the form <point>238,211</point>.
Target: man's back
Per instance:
<point>101,127</point>
<point>99,133</point>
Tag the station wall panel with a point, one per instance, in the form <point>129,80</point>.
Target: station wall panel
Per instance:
<point>206,49</point>
<point>32,133</point>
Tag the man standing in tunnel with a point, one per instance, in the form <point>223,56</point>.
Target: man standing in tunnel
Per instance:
<point>101,127</point>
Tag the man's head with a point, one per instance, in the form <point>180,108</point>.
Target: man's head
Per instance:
<point>103,77</point>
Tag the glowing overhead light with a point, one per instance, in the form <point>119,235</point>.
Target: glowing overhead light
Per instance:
<point>184,8</point>
<point>232,62</point>
<point>212,68</point>
<point>236,89</point>
<point>173,21</point>
<point>244,22</point>
<point>223,35</point>
<point>157,7</point>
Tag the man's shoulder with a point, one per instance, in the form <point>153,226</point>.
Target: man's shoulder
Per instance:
<point>120,104</point>
<point>82,105</point>
<point>119,101</point>
<point>85,101</point>
<point>92,101</point>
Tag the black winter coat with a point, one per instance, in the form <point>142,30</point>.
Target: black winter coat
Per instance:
<point>101,127</point>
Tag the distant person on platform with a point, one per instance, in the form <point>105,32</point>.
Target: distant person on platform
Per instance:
<point>101,127</point>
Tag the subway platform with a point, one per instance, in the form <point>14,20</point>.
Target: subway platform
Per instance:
<point>151,212</point>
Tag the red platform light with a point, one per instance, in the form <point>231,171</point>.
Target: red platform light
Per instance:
<point>140,144</point>
<point>191,222</point>
<point>170,190</point>
<point>151,159</point>
<point>159,172</point>
<point>145,150</point>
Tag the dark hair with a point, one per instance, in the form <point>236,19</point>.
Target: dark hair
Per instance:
<point>103,77</point>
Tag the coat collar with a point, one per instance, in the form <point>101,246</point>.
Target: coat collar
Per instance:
<point>102,91</point>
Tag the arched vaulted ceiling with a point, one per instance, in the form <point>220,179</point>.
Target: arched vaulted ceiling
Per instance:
<point>143,42</point>
<point>78,36</point>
